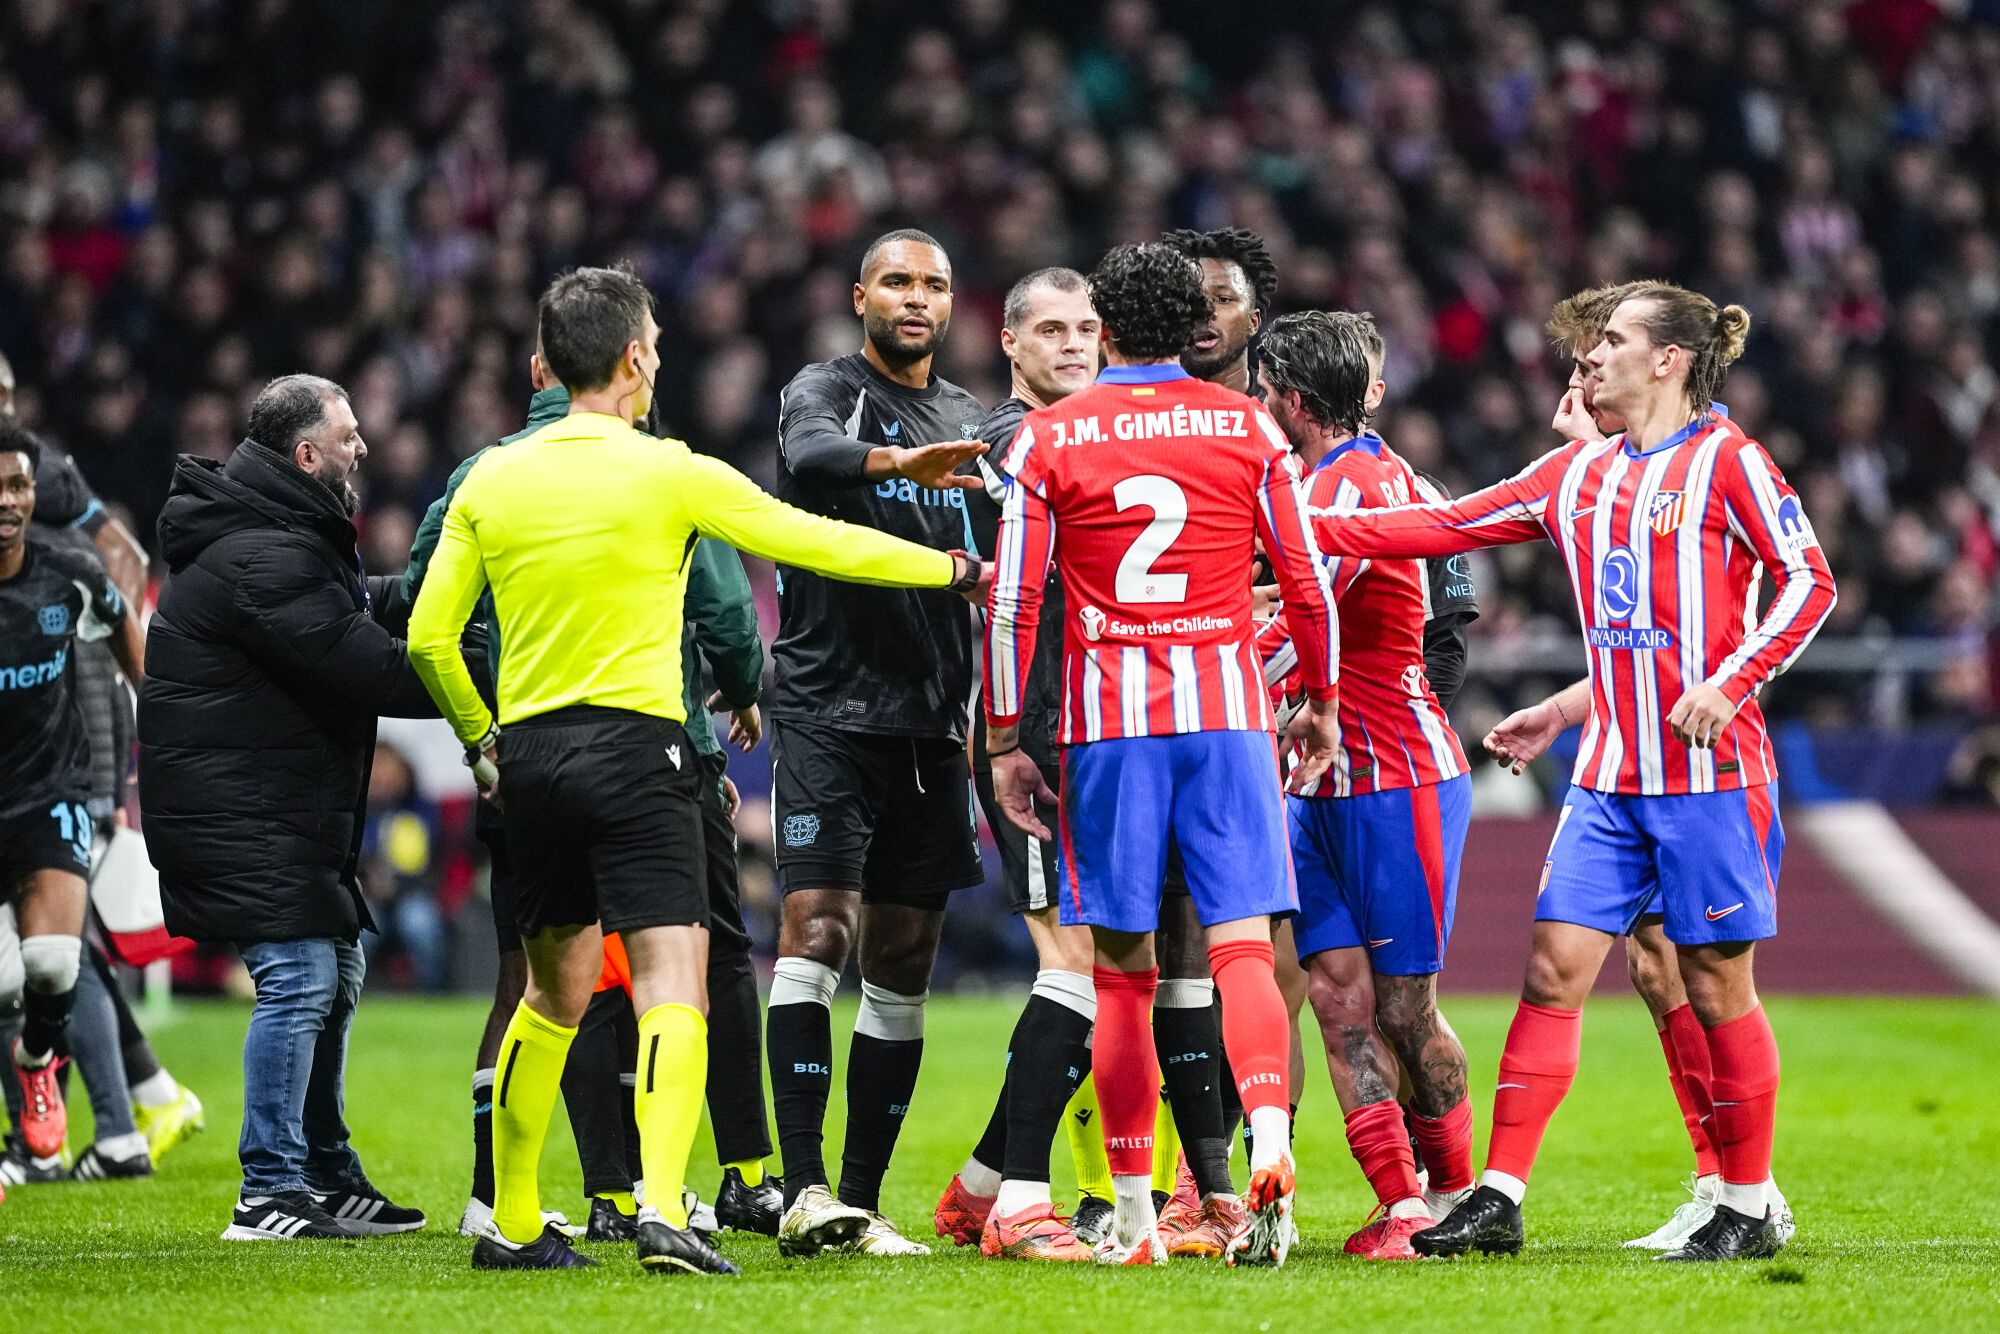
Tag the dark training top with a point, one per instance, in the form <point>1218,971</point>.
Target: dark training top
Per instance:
<point>58,598</point>
<point>862,659</point>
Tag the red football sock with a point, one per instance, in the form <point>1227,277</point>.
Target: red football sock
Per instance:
<point>1537,1067</point>
<point>1745,1057</point>
<point>1375,1134</point>
<point>1256,1031</point>
<point>1126,1068</point>
<point>1686,1045</point>
<point>1447,1145</point>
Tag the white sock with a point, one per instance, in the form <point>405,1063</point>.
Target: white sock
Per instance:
<point>798,981</point>
<point>890,1016</point>
<point>1748,1200</point>
<point>1073,991</point>
<point>1135,1218</point>
<point>123,1148</point>
<point>1270,1136</point>
<point>979,1179</point>
<point>159,1089</point>
<point>648,1214</point>
<point>1413,1207</point>
<point>1512,1187</point>
<point>1706,1187</point>
<point>1184,993</point>
<point>1018,1195</point>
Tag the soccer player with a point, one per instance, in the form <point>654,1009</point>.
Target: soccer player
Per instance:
<point>870,790</point>
<point>1000,1198</point>
<point>1667,528</point>
<point>1377,842</point>
<point>139,1110</point>
<point>1577,323</point>
<point>596,773</point>
<point>1239,278</point>
<point>50,600</point>
<point>1148,490</point>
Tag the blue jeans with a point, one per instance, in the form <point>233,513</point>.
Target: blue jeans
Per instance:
<point>295,1066</point>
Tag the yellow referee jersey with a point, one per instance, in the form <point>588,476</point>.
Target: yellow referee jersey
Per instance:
<point>583,531</point>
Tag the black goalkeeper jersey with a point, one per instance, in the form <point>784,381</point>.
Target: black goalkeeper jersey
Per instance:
<point>58,598</point>
<point>863,659</point>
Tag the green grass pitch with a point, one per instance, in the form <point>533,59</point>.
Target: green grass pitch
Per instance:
<point>1889,1149</point>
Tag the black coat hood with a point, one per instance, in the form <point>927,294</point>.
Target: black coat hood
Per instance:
<point>254,489</point>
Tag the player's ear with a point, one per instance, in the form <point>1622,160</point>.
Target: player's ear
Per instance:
<point>1008,342</point>
<point>860,298</point>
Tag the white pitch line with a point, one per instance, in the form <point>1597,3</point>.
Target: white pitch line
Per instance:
<point>1889,870</point>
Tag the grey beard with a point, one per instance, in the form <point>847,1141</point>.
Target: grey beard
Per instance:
<point>343,491</point>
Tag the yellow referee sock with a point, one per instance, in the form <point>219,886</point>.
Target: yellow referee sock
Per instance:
<point>673,1075</point>
<point>1086,1141</point>
<point>527,1079</point>
<point>1166,1149</point>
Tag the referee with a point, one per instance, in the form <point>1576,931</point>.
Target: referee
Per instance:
<point>582,530</point>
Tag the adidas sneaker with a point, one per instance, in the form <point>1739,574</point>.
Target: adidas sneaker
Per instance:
<point>285,1215</point>
<point>366,1212</point>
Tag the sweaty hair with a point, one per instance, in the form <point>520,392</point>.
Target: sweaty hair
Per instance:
<point>1327,357</point>
<point>1577,323</point>
<point>18,439</point>
<point>891,238</point>
<point>1233,245</point>
<point>289,407</point>
<point>1015,312</point>
<point>586,320</point>
<point>1150,299</point>
<point>1713,338</point>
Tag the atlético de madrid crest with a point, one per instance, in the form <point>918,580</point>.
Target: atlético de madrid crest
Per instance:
<point>1668,509</point>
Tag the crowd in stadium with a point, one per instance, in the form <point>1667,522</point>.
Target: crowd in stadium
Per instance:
<point>378,202</point>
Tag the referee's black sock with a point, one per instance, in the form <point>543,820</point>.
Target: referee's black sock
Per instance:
<point>799,1033</point>
<point>1189,1043</point>
<point>882,1070</point>
<point>735,1063</point>
<point>1049,1058</point>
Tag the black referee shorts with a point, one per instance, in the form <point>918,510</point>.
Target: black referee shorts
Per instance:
<point>1028,866</point>
<point>604,820</point>
<point>889,816</point>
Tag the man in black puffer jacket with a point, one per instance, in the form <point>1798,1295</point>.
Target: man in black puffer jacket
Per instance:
<point>274,654</point>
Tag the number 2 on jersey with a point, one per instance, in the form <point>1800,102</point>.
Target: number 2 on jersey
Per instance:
<point>1136,581</point>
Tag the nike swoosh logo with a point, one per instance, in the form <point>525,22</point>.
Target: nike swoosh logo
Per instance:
<point>1378,944</point>
<point>1715,916</point>
<point>1578,514</point>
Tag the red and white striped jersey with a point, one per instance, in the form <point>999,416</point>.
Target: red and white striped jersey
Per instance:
<point>1147,489</point>
<point>1666,552</point>
<point>1393,731</point>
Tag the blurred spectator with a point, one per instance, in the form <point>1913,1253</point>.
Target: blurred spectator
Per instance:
<point>399,874</point>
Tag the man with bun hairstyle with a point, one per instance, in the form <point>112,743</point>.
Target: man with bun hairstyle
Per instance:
<point>1667,528</point>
